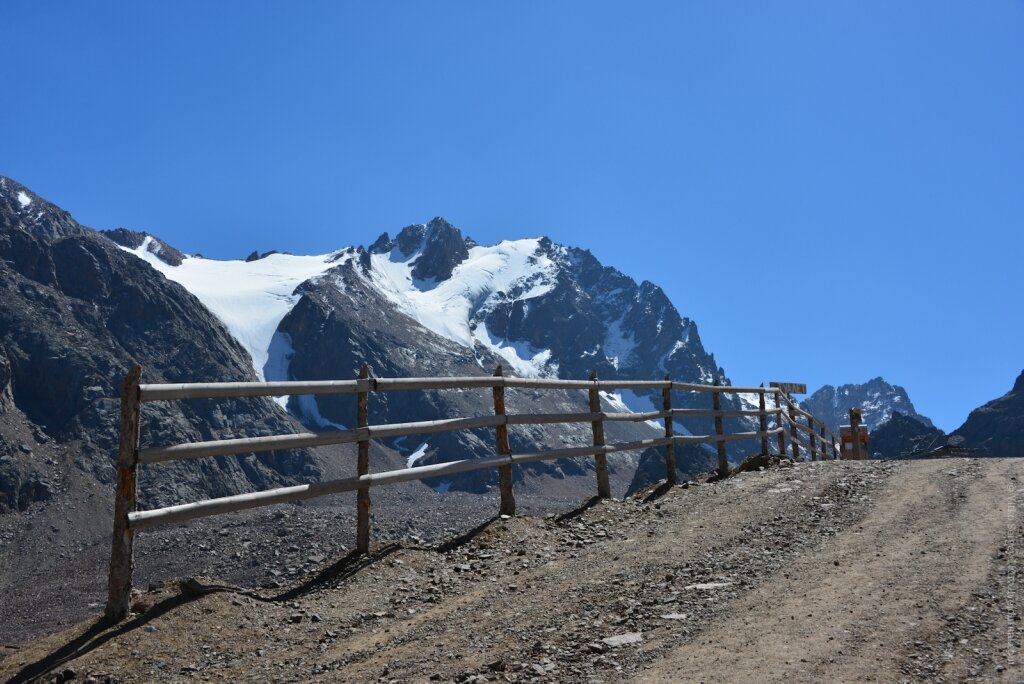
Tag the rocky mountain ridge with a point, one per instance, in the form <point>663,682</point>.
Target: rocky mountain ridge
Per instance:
<point>997,428</point>
<point>877,399</point>
<point>902,436</point>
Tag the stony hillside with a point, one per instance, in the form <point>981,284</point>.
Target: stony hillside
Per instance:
<point>997,428</point>
<point>818,572</point>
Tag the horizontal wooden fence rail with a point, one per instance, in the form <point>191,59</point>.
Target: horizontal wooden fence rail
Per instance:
<point>220,390</point>
<point>127,520</point>
<point>832,450</point>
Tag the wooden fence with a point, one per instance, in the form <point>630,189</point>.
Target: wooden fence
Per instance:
<point>127,520</point>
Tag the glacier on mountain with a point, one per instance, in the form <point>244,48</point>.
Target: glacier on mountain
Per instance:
<point>249,298</point>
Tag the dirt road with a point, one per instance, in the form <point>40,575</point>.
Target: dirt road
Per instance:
<point>869,571</point>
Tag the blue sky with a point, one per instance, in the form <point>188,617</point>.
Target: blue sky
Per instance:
<point>832,190</point>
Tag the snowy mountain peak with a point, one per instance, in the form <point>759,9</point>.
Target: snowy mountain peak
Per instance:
<point>877,399</point>
<point>544,308</point>
<point>442,248</point>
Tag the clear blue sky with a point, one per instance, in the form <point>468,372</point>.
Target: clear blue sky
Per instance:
<point>739,154</point>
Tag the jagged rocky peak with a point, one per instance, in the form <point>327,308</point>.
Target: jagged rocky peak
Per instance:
<point>22,209</point>
<point>133,239</point>
<point>877,399</point>
<point>441,246</point>
<point>438,247</point>
<point>255,255</point>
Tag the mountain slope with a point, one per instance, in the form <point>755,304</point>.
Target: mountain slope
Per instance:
<point>78,312</point>
<point>997,428</point>
<point>902,435</point>
<point>877,399</point>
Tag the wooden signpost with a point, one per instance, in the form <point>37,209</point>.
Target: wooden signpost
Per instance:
<point>790,387</point>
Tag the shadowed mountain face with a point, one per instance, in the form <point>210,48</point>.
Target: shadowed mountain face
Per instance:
<point>997,428</point>
<point>877,399</point>
<point>902,436</point>
<point>78,312</point>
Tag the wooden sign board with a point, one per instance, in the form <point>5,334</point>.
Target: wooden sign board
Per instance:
<point>790,387</point>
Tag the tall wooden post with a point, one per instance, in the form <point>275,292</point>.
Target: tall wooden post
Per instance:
<point>855,433</point>
<point>723,459</point>
<point>811,440</point>
<point>508,501</point>
<point>824,444</point>
<point>778,423</point>
<point>793,435</point>
<point>762,421</point>
<point>604,489</point>
<point>670,449</point>
<point>122,561</point>
<point>363,464</point>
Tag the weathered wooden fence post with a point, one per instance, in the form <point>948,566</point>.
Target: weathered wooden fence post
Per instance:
<point>793,435</point>
<point>670,449</point>
<point>508,501</point>
<point>363,463</point>
<point>855,433</point>
<point>604,489</point>
<point>824,444</point>
<point>122,561</point>
<point>763,421</point>
<point>778,423</point>
<point>811,440</point>
<point>723,458</point>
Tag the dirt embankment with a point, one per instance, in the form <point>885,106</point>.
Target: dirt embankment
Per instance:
<point>877,571</point>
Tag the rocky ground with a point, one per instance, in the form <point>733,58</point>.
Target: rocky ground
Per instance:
<point>54,555</point>
<point>853,571</point>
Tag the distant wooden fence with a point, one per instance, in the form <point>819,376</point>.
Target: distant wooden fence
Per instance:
<point>127,520</point>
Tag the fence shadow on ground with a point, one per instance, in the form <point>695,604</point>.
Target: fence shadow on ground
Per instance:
<point>658,492</point>
<point>98,634</point>
<point>466,537</point>
<point>579,510</point>
<point>335,573</point>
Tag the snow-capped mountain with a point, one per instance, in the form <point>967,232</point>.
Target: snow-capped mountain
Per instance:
<point>83,306</point>
<point>545,309</point>
<point>430,301</point>
<point>876,398</point>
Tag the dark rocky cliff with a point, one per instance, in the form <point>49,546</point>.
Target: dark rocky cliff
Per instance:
<point>78,312</point>
<point>997,428</point>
